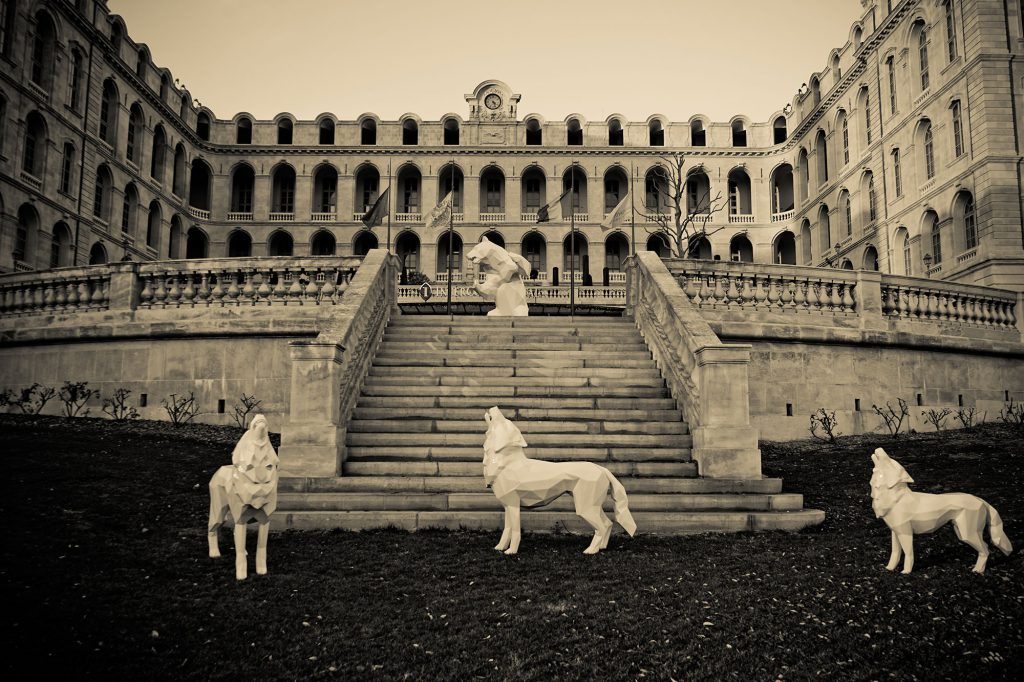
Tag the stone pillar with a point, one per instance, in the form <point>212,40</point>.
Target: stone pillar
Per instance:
<point>124,286</point>
<point>471,197</point>
<point>1018,312</point>
<point>513,199</point>
<point>346,200</point>
<point>868,300</point>
<point>724,443</point>
<point>313,439</point>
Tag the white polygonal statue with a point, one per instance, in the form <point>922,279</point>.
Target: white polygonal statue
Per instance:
<point>504,283</point>
<point>249,489</point>
<point>520,481</point>
<point>908,513</point>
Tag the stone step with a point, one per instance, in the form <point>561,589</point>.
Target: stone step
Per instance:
<point>485,361</point>
<point>511,354</point>
<point>655,523</point>
<point>479,426</point>
<point>474,453</point>
<point>597,338</point>
<point>462,379</point>
<point>486,501</point>
<point>536,439</point>
<point>403,469</point>
<point>509,391</point>
<point>509,322</point>
<point>516,414</point>
<point>554,344</point>
<point>475,484</point>
<point>542,372</point>
<point>483,403</point>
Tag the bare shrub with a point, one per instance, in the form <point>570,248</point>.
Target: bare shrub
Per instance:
<point>1012,414</point>
<point>827,423</point>
<point>181,410</point>
<point>937,418</point>
<point>29,400</point>
<point>893,419</point>
<point>118,407</point>
<point>968,417</point>
<point>74,395</point>
<point>247,406</point>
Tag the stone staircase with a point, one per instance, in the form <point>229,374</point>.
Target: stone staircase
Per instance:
<point>582,389</point>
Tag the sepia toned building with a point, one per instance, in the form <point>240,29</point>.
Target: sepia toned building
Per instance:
<point>901,153</point>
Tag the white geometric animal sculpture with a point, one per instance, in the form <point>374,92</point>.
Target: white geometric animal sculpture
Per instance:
<point>504,284</point>
<point>519,481</point>
<point>908,513</point>
<point>249,489</point>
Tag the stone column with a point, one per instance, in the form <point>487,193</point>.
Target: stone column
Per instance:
<point>724,443</point>
<point>124,286</point>
<point>513,199</point>
<point>313,437</point>
<point>868,300</point>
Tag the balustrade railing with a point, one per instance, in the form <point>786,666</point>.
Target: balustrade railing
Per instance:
<point>740,218</point>
<point>253,282</point>
<point>783,217</point>
<point>409,217</point>
<point>914,299</point>
<point>323,217</point>
<point>492,217</point>
<point>240,216</point>
<point>200,213</point>
<point>280,217</point>
<point>64,290</point>
<point>31,180</point>
<point>464,293</point>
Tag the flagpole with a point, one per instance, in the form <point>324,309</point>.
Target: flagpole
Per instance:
<point>451,220</point>
<point>389,205</point>
<point>632,209</point>
<point>572,242</point>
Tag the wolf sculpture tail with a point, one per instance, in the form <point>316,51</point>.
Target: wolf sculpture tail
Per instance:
<point>995,530</point>
<point>622,514</point>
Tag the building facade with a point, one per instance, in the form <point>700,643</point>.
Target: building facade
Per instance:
<point>904,154</point>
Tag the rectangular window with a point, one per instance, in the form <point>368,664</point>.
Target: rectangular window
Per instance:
<point>923,54</point>
<point>369,192</point>
<point>493,197</point>
<point>929,155</point>
<point>126,212</point>
<point>906,261</point>
<point>287,198</point>
<point>958,131</point>
<point>734,199</point>
<point>846,141</point>
<point>611,194</point>
<point>891,67</point>
<point>950,30</point>
<point>131,141</point>
<point>970,226</point>
<point>75,82</point>
<point>28,161</point>
<point>97,200</point>
<point>245,198</point>
<point>411,196</point>
<point>897,172</point>
<point>937,245</point>
<point>693,194</point>
<point>105,119</point>
<point>65,168</point>
<point>867,118</point>
<point>532,195</point>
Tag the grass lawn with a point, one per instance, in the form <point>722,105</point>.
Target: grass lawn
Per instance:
<point>105,575</point>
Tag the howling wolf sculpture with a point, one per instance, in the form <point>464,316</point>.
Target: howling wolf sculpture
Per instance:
<point>249,489</point>
<point>519,481</point>
<point>504,284</point>
<point>908,513</point>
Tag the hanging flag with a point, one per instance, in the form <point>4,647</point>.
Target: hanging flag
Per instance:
<point>440,215</point>
<point>552,211</point>
<point>377,212</point>
<point>617,218</point>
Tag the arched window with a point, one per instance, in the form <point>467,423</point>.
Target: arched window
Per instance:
<point>75,80</point>
<point>616,248</point>
<point>410,131</point>
<point>837,72</point>
<point>239,244</point>
<point>366,241</point>
<point>958,129</point>
<point>872,199</point>
<point>615,184</point>
<point>325,190</point>
<point>740,249</point>
<point>866,103</point>
<point>821,160</point>
<point>101,195</point>
<point>615,133</point>
<point>197,244</point>
<point>142,64</point>
<point>534,134</point>
<point>200,185</point>
<point>890,68</point>
<point>116,34</point>
<point>492,191</point>
<point>129,210</point>
<point>158,159</point>
<point>108,113</point>
<point>575,256</point>
<point>326,129</point>
<point>922,55</point>
<point>43,47</point>
<point>698,138</point>
<point>902,242</point>
<point>656,133</point>
<point>203,125</point>
<point>936,237</point>
<point>97,254</point>
<point>407,248</point>
<point>153,225</point>
<point>779,130</point>
<point>815,88</point>
<point>970,224</point>
<point>280,244</point>
<point>283,190</point>
<point>442,253</point>
<point>8,14</point>
<point>782,189</point>
<point>659,245</point>
<point>844,130</point>
<point>699,247</point>
<point>698,193</point>
<point>67,165</point>
<point>178,177</point>
<point>739,192</point>
<point>947,6</point>
<point>574,133</point>
<point>60,246</point>
<point>858,34</point>
<point>136,124</point>
<point>243,131</point>
<point>451,131</point>
<point>243,181</point>
<point>367,187</point>
<point>784,248</point>
<point>175,238</point>
<point>26,236</point>
<point>186,104</point>
<point>897,172</point>
<point>847,212</point>
<point>805,174</point>
<point>323,244</point>
<point>33,160</point>
<point>825,227</point>
<point>409,182</point>
<point>368,132</point>
<point>929,152</point>
<point>574,179</point>
<point>284,131</point>
<point>165,87</point>
<point>534,190</point>
<point>656,197</point>
<point>739,134</point>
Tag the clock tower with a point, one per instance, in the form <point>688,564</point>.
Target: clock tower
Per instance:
<point>492,102</point>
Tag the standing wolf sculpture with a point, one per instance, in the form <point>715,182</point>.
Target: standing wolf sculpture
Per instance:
<point>249,489</point>
<point>504,284</point>
<point>519,481</point>
<point>908,513</point>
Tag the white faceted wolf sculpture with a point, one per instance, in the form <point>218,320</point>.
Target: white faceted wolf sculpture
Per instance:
<point>908,513</point>
<point>519,481</point>
<point>504,285</point>
<point>249,488</point>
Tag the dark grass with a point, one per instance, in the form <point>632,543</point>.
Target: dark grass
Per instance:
<point>105,576</point>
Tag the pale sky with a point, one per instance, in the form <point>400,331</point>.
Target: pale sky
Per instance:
<point>593,57</point>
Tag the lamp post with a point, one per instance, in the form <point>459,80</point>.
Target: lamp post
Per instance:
<point>927,264</point>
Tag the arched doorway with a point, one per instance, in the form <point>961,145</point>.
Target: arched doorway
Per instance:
<point>616,248</point>
<point>784,248</point>
<point>535,250</point>
<point>197,244</point>
<point>740,249</point>
<point>322,244</point>
<point>60,246</point>
<point>700,248</point>
<point>442,255</point>
<point>239,244</point>
<point>579,260</point>
<point>363,243</point>
<point>870,260</point>
<point>280,244</point>
<point>97,254</point>
<point>407,248</point>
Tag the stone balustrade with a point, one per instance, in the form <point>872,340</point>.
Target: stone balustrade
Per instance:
<point>923,300</point>
<point>62,290</point>
<point>464,293</point>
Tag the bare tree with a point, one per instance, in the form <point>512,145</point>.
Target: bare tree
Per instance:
<point>682,209</point>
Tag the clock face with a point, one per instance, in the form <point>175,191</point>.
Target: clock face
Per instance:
<point>492,101</point>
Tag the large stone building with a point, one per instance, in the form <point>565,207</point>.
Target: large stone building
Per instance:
<point>902,153</point>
